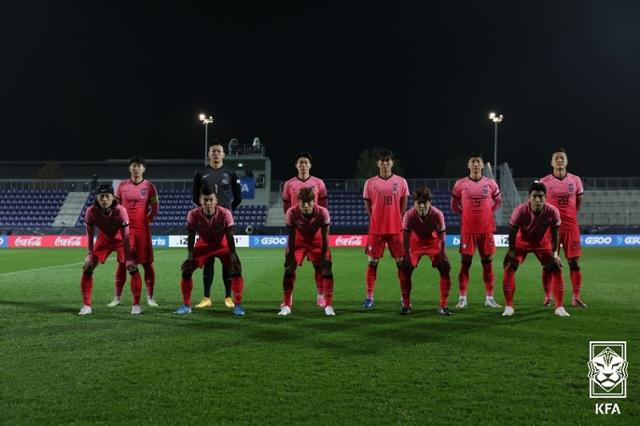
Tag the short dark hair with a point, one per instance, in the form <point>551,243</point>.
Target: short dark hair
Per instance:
<point>385,153</point>
<point>559,149</point>
<point>306,195</point>
<point>138,159</point>
<point>422,195</point>
<point>214,144</point>
<point>207,190</point>
<point>105,188</point>
<point>476,155</point>
<point>538,186</point>
<point>303,154</point>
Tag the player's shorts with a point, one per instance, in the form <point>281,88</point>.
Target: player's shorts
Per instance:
<point>312,251</point>
<point>141,246</point>
<point>430,250</point>
<point>104,246</point>
<point>484,242</point>
<point>203,252</point>
<point>544,254</point>
<point>376,242</point>
<point>570,240</point>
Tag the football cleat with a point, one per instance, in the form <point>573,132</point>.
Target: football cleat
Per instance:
<point>85,310</point>
<point>136,310</point>
<point>462,302</point>
<point>578,303</point>
<point>114,302</point>
<point>562,312</point>
<point>204,303</point>
<point>284,311</point>
<point>491,302</point>
<point>444,311</point>
<point>228,302</point>
<point>320,301</point>
<point>406,310</point>
<point>508,311</point>
<point>151,302</point>
<point>238,311</point>
<point>328,311</point>
<point>183,309</point>
<point>367,304</point>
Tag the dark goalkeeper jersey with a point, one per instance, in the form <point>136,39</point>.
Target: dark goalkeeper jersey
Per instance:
<point>225,184</point>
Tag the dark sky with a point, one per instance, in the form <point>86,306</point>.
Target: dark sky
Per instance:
<point>92,81</point>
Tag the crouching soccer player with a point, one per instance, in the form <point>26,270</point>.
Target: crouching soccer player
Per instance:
<point>423,233</point>
<point>113,222</point>
<point>533,228</point>
<point>214,226</point>
<point>308,225</point>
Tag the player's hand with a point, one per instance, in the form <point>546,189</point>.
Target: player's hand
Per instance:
<point>131,266</point>
<point>236,266</point>
<point>444,262</point>
<point>290,261</point>
<point>557,262</point>
<point>510,260</point>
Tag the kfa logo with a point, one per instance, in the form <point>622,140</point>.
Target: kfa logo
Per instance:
<point>607,369</point>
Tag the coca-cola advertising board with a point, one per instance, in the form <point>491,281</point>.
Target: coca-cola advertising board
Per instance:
<point>47,241</point>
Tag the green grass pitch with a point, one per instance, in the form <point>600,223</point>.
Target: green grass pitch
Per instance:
<point>374,367</point>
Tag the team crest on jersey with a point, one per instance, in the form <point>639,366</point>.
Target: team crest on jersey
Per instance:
<point>225,179</point>
<point>395,188</point>
<point>143,192</point>
<point>485,189</point>
<point>571,187</point>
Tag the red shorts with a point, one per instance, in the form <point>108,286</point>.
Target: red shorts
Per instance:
<point>430,250</point>
<point>376,242</point>
<point>203,252</point>
<point>544,255</point>
<point>104,246</point>
<point>484,242</point>
<point>570,240</point>
<point>141,246</point>
<point>313,252</point>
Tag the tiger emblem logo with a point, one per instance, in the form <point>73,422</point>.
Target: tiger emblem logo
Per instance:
<point>607,369</point>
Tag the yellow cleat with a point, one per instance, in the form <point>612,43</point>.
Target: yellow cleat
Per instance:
<point>228,302</point>
<point>204,303</point>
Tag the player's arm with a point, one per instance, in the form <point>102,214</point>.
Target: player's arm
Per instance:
<point>579,202</point>
<point>126,243</point>
<point>236,188</point>
<point>324,231</point>
<point>154,205</point>
<point>290,258</point>
<point>497,201</point>
<point>191,242</point>
<point>442,244</point>
<point>555,242</point>
<point>456,207</point>
<point>367,206</point>
<point>322,196</point>
<point>197,182</point>
<point>90,229</point>
<point>510,257</point>
<point>286,198</point>
<point>403,204</point>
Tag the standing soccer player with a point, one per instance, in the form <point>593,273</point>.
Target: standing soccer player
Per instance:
<point>214,226</point>
<point>385,199</point>
<point>424,235</point>
<point>140,198</point>
<point>113,222</point>
<point>290,199</point>
<point>308,225</point>
<point>475,198</point>
<point>565,191</point>
<point>533,228</point>
<point>226,186</point>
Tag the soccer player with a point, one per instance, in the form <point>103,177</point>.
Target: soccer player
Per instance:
<point>424,235</point>
<point>214,226</point>
<point>226,186</point>
<point>113,222</point>
<point>385,199</point>
<point>308,225</point>
<point>533,228</point>
<point>565,191</point>
<point>290,199</point>
<point>475,198</point>
<point>140,198</point>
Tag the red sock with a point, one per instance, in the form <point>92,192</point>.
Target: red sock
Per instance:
<point>463,278</point>
<point>86,285</point>
<point>149,278</point>
<point>576,283</point>
<point>445,288</point>
<point>186,285</point>
<point>237,286</point>
<point>546,283</point>
<point>488,277</point>
<point>509,286</point>
<point>287,286</point>
<point>318,278</point>
<point>405,287</point>
<point>372,275</point>
<point>136,287</point>
<point>120,278</point>
<point>327,290</point>
<point>557,284</point>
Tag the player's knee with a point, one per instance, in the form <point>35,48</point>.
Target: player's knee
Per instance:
<point>486,260</point>
<point>444,269</point>
<point>573,265</point>
<point>289,273</point>
<point>513,266</point>
<point>551,267</point>
<point>186,274</point>
<point>87,271</point>
<point>466,259</point>
<point>373,263</point>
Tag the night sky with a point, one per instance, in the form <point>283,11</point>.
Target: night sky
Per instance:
<point>94,81</point>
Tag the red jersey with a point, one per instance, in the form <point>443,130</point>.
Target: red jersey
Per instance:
<point>386,197</point>
<point>293,185</point>
<point>140,200</point>
<point>210,229</point>
<point>110,224</point>
<point>533,229</point>
<point>423,229</point>
<point>308,227</point>
<point>476,201</point>
<point>563,193</point>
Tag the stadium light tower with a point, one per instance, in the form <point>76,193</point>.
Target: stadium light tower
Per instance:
<point>206,121</point>
<point>497,119</point>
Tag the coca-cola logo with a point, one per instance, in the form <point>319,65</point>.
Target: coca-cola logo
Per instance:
<point>353,240</point>
<point>28,242</point>
<point>73,241</point>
